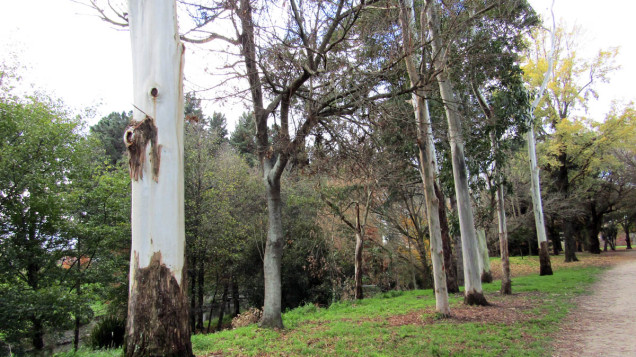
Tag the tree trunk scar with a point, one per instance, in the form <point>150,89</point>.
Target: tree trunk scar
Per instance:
<point>136,137</point>
<point>157,309</point>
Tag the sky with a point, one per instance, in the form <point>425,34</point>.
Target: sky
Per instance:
<point>71,54</point>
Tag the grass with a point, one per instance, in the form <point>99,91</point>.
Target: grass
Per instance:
<point>404,322</point>
<point>372,327</point>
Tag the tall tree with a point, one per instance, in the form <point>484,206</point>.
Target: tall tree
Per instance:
<point>427,159</point>
<point>572,86</point>
<point>545,268</point>
<point>472,280</point>
<point>157,307</point>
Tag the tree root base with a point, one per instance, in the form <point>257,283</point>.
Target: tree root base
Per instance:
<point>545,267</point>
<point>475,298</point>
<point>506,288</point>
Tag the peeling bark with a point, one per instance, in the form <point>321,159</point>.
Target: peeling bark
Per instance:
<point>155,325</point>
<point>137,137</point>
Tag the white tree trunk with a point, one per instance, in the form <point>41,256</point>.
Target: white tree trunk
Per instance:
<point>157,307</point>
<point>472,279</point>
<point>545,267</point>
<point>427,160</point>
<point>535,188</point>
<point>484,258</point>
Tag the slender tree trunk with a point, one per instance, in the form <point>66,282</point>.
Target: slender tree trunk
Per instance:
<point>570,242</point>
<point>457,240</point>
<point>219,324</point>
<point>273,255</point>
<point>506,281</point>
<point>37,328</point>
<point>358,256</point>
<point>216,288</point>
<point>427,160</point>
<point>628,240</point>
<point>200,293</point>
<point>157,321</point>
<point>193,300</point>
<point>593,229</point>
<point>37,334</point>
<point>78,289</point>
<point>412,264</point>
<point>506,284</point>
<point>555,238</point>
<point>450,263</point>
<point>358,267</point>
<point>472,288</point>
<point>545,267</point>
<point>235,297</point>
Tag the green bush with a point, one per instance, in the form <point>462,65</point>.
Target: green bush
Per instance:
<point>109,333</point>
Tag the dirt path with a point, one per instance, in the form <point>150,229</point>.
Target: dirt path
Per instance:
<point>604,324</point>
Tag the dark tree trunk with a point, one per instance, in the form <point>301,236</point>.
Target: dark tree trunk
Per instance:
<point>78,289</point>
<point>235,297</point>
<point>458,248</point>
<point>628,240</point>
<point>553,231</point>
<point>593,229</point>
<point>200,293</point>
<point>37,328</point>
<point>76,334</point>
<point>157,313</point>
<point>570,242</point>
<point>545,267</point>
<point>193,283</point>
<point>273,256</point>
<point>216,288</point>
<point>219,324</point>
<point>449,263</point>
<point>37,334</point>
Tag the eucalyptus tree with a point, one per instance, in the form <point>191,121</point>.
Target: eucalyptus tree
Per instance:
<point>490,51</point>
<point>440,46</point>
<point>157,321</point>
<point>427,159</point>
<point>572,86</point>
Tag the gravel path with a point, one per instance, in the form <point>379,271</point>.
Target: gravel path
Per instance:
<point>604,324</point>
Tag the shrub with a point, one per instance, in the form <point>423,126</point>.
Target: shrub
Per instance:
<point>108,333</point>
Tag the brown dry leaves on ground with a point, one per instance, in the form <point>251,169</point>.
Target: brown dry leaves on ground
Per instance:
<point>506,309</point>
<point>530,265</point>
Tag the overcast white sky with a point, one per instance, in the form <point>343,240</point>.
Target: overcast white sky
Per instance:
<point>86,62</point>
